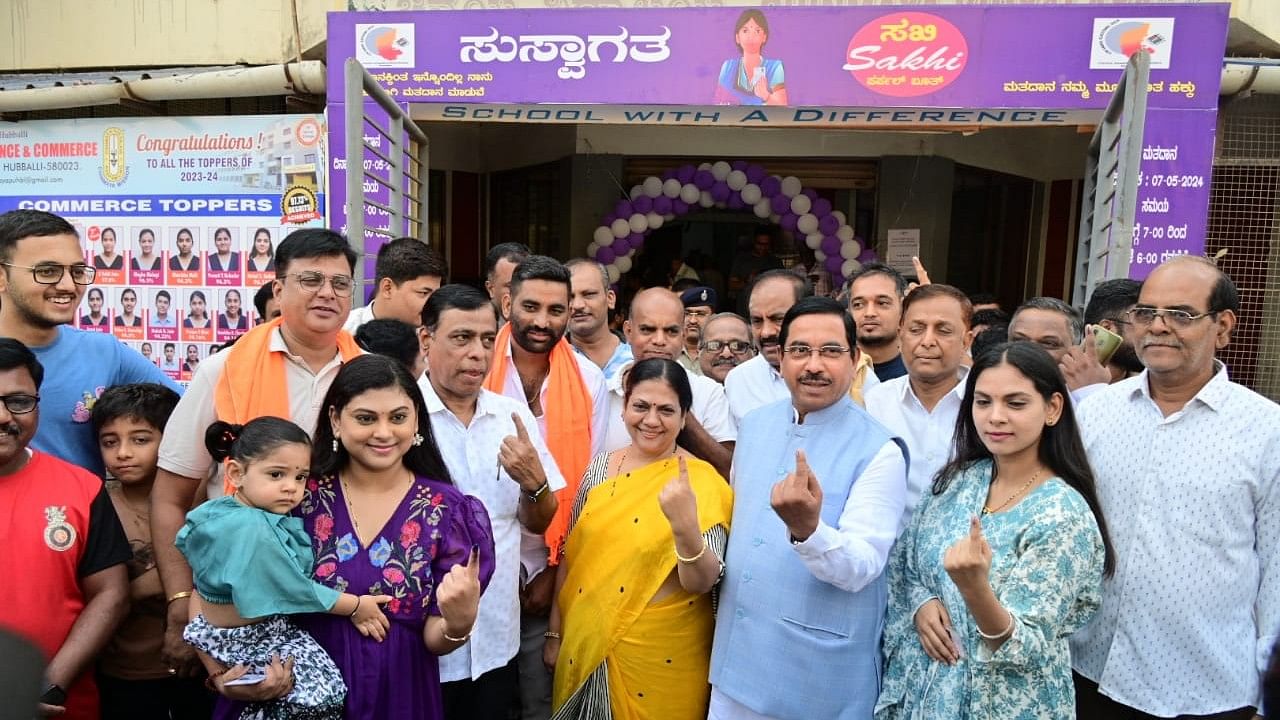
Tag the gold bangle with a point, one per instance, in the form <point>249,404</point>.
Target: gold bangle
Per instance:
<point>178,596</point>
<point>695,558</point>
<point>464,638</point>
<point>552,635</point>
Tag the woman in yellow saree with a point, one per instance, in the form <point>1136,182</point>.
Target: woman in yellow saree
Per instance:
<point>631,631</point>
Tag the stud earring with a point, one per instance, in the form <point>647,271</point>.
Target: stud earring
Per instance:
<point>417,439</point>
<point>335,444</point>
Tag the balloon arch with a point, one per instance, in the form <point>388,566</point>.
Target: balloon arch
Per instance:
<point>737,186</point>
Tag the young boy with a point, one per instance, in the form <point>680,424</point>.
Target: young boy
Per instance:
<point>133,679</point>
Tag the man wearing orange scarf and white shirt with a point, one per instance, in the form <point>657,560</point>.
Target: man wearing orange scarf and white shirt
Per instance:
<point>534,364</point>
<point>281,368</point>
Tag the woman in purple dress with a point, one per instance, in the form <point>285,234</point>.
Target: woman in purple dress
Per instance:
<point>383,513</point>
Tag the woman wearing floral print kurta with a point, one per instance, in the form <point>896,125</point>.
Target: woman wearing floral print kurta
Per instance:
<point>1002,561</point>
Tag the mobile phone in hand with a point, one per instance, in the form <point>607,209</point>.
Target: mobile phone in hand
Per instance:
<point>1107,343</point>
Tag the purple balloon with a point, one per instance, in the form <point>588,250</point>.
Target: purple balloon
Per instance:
<point>831,245</point>
<point>788,221</point>
<point>821,208</point>
<point>622,209</point>
<point>834,263</point>
<point>735,201</point>
<point>720,191</point>
<point>642,204</point>
<point>605,255</point>
<point>771,186</point>
<point>755,173</point>
<point>635,240</point>
<point>739,165</point>
<point>867,256</point>
<point>608,219</point>
<point>781,204</point>
<point>810,193</point>
<point>668,175</point>
<point>828,224</point>
<point>662,204</point>
<point>704,179</point>
<point>679,206</point>
<point>685,174</point>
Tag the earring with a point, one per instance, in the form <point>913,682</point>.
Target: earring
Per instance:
<point>417,439</point>
<point>335,444</point>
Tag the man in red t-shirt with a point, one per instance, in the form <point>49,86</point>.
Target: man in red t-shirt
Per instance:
<point>64,547</point>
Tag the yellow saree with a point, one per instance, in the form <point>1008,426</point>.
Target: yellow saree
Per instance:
<point>619,553</point>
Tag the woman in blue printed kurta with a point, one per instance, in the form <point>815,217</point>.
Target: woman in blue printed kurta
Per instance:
<point>1002,561</point>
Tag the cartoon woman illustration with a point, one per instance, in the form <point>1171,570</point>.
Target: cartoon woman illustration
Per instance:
<point>263,258</point>
<point>751,78</point>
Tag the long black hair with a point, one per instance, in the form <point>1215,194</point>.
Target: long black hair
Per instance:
<point>1061,449</point>
<point>375,372</point>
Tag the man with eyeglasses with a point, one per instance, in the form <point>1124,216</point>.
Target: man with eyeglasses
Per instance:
<point>699,304</point>
<point>807,614</point>
<point>281,368</point>
<point>67,587</point>
<point>724,345</point>
<point>1188,474</point>
<point>1108,306</point>
<point>43,281</point>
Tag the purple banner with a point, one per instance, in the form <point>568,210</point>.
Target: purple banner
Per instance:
<point>1173,187</point>
<point>965,57</point>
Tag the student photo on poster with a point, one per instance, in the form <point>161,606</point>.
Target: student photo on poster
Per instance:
<point>97,319</point>
<point>190,362</point>
<point>184,259</point>
<point>108,259</point>
<point>262,257</point>
<point>169,360</point>
<point>127,323</point>
<point>222,263</point>
<point>232,321</point>
<point>197,326</point>
<point>148,352</point>
<point>162,318</point>
<point>145,267</point>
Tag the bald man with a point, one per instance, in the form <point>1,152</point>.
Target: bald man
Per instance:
<point>655,329</point>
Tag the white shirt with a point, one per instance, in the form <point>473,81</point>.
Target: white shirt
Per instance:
<point>471,454</point>
<point>182,449</point>
<point>358,317</point>
<point>755,383</point>
<point>710,408</point>
<point>1192,502</point>
<point>533,548</point>
<point>928,435</point>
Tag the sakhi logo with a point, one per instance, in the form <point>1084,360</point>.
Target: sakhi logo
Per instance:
<point>1115,39</point>
<point>907,54</point>
<point>385,45</point>
<point>114,168</point>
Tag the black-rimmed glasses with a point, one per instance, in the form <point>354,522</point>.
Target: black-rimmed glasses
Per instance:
<point>51,273</point>
<point>19,403</point>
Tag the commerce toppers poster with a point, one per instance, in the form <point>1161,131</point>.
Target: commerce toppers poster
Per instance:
<point>179,216</point>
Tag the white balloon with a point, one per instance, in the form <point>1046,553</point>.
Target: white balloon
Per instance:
<point>690,193</point>
<point>737,180</point>
<point>652,186</point>
<point>807,223</point>
<point>654,220</point>
<point>705,199</point>
<point>819,256</point>
<point>704,166</point>
<point>638,222</point>
<point>839,216</point>
<point>671,188</point>
<point>845,233</point>
<point>813,240</point>
<point>636,191</point>
<point>623,263</point>
<point>791,186</point>
<point>631,253</point>
<point>668,217</point>
<point>603,236</point>
<point>801,204</point>
<point>720,170</point>
<point>614,273</point>
<point>774,217</point>
<point>751,193</point>
<point>593,247</point>
<point>621,228</point>
<point>762,209</point>
<point>850,249</point>
<point>850,268</point>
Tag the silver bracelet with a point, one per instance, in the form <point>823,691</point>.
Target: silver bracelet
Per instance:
<point>1006,633</point>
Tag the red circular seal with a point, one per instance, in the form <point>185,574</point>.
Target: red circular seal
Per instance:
<point>907,54</point>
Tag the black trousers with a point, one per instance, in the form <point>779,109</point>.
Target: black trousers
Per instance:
<point>492,696</point>
<point>1093,705</point>
<point>162,699</point>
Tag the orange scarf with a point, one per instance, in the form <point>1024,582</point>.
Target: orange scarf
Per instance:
<point>253,382</point>
<point>568,412</point>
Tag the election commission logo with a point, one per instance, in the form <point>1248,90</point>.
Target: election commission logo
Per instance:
<point>385,45</point>
<point>58,534</point>
<point>1115,39</point>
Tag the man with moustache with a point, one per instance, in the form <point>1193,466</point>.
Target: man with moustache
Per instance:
<point>281,368</point>
<point>535,365</point>
<point>1188,475</point>
<point>725,344</point>
<point>875,302</point>
<point>1049,323</point>
<point>655,329</point>
<point>921,407</point>
<point>699,304</point>
<point>802,602</point>
<point>43,280</point>
<point>758,382</point>
<point>473,427</point>
<point>590,300</point>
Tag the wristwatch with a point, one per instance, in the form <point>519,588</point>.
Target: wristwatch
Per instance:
<point>54,694</point>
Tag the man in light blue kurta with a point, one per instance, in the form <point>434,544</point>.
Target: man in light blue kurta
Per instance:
<point>820,488</point>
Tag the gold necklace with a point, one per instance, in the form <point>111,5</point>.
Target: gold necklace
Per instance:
<point>987,510</point>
